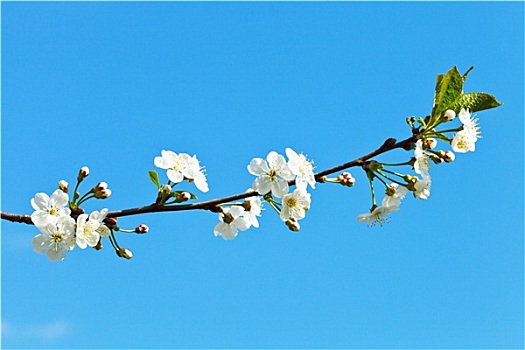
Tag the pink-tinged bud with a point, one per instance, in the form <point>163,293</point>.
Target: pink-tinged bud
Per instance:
<point>141,228</point>
<point>83,173</point>
<point>346,179</point>
<point>124,253</point>
<point>449,115</point>
<point>63,185</point>
<point>293,225</point>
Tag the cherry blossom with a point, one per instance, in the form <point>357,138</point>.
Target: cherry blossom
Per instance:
<point>301,168</point>
<point>231,222</point>
<point>272,174</point>
<point>56,238</point>
<point>49,208</point>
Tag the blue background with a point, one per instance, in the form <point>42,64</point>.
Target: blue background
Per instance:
<point>109,85</point>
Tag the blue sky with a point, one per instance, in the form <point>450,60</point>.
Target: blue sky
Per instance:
<point>110,85</point>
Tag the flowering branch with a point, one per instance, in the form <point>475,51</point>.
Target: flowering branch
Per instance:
<point>63,224</point>
<point>211,205</point>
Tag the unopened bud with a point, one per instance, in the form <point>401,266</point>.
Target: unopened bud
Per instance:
<point>110,222</point>
<point>63,185</point>
<point>124,253</point>
<point>293,225</point>
<point>449,115</point>
<point>166,190</point>
<point>101,186</point>
<point>83,173</point>
<point>141,228</point>
<point>183,197</point>
<point>429,143</point>
<point>449,156</point>
<point>103,194</point>
<point>346,179</point>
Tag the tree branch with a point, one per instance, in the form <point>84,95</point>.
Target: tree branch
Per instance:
<point>212,205</point>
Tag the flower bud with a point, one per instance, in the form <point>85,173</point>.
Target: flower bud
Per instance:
<point>141,229</point>
<point>103,194</point>
<point>182,197</point>
<point>124,253</point>
<point>449,156</point>
<point>429,143</point>
<point>346,179</point>
<point>101,186</point>
<point>63,185</point>
<point>449,115</point>
<point>110,222</point>
<point>166,190</point>
<point>293,225</point>
<point>83,173</point>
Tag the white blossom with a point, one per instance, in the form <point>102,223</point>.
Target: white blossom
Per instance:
<point>102,229</point>
<point>254,205</point>
<point>272,174</point>
<point>86,231</point>
<point>301,168</point>
<point>465,140</point>
<point>422,163</point>
<point>295,205</point>
<point>377,216</point>
<point>49,209</point>
<point>231,222</point>
<point>422,189</point>
<point>56,238</point>
<point>389,205</point>
<point>395,199</point>
<point>181,166</point>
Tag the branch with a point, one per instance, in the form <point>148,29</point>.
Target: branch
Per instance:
<point>212,205</point>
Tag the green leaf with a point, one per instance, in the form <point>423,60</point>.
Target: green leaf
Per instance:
<point>476,101</point>
<point>154,177</point>
<point>449,88</point>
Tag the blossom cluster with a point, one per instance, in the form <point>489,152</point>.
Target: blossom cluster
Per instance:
<point>273,175</point>
<point>59,232</point>
<point>464,140</point>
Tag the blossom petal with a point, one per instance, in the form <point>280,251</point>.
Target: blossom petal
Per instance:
<point>40,202</point>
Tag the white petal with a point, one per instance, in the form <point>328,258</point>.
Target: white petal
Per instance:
<point>59,198</point>
<point>175,176</point>
<point>258,166</point>
<point>40,202</point>
<point>56,253</point>
<point>279,188</point>
<point>40,244</point>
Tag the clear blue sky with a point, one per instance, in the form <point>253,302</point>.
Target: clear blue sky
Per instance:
<point>109,85</point>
